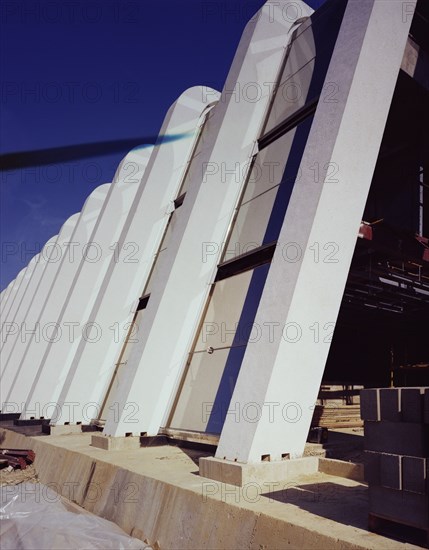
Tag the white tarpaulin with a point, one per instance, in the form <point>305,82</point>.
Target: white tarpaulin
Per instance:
<point>33,517</point>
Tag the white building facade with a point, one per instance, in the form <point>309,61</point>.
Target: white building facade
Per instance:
<point>226,254</point>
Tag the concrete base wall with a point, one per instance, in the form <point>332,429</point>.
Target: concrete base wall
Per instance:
<point>155,494</point>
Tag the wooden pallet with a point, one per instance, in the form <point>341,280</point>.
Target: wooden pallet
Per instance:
<point>400,531</point>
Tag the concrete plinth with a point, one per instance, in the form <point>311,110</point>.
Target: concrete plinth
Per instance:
<point>115,443</point>
<point>31,421</point>
<point>340,468</point>
<point>240,475</point>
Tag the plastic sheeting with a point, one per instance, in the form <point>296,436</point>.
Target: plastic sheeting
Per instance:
<point>33,517</point>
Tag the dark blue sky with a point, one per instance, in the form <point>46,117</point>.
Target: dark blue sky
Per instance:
<point>84,71</point>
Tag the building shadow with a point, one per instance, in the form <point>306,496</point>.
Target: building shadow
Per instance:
<point>346,505</point>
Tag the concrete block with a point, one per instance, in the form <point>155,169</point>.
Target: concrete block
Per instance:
<point>400,506</point>
<point>412,404</point>
<point>239,474</point>
<point>115,443</point>
<point>370,405</point>
<point>340,468</point>
<point>372,468</point>
<point>390,404</point>
<point>415,472</point>
<point>390,471</point>
<point>402,438</point>
<point>426,407</point>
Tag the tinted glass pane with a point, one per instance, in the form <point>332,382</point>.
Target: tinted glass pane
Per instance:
<point>220,323</point>
<point>260,216</point>
<point>292,95</point>
<point>228,327</point>
<point>307,61</point>
<point>157,260</point>
<point>252,218</point>
<point>203,141</point>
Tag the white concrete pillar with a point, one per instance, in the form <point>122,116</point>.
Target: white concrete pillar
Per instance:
<point>19,296</point>
<point>12,333</point>
<point>89,275</point>
<point>29,328</point>
<point>280,377</point>
<point>4,295</point>
<point>180,290</point>
<point>87,368</point>
<point>48,332</point>
<point>8,292</point>
<point>4,333</point>
<point>54,334</point>
<point>8,307</point>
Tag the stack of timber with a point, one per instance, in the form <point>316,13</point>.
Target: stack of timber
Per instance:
<point>338,406</point>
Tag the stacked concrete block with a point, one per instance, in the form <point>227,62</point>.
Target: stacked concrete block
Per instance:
<point>396,425</point>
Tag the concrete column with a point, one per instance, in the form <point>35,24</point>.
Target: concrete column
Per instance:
<point>5,294</point>
<point>20,296</point>
<point>29,329</point>
<point>280,378</point>
<point>90,274</point>
<point>5,299</point>
<point>12,332</point>
<point>18,299</point>
<point>3,318</point>
<point>87,368</point>
<point>54,334</point>
<point>49,333</point>
<point>12,296</point>
<point>180,290</point>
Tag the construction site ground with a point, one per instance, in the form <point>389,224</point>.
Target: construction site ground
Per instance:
<point>156,494</point>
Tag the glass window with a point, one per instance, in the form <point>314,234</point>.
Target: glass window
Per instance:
<point>252,218</point>
<point>306,64</point>
<point>161,251</point>
<point>292,95</point>
<point>195,162</point>
<point>265,200</point>
<point>227,329</point>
